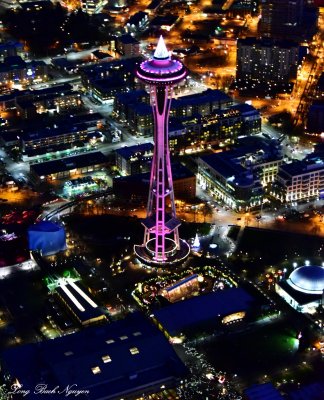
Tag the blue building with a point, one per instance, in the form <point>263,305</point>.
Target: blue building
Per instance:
<point>265,391</point>
<point>204,312</point>
<point>47,237</point>
<point>124,359</point>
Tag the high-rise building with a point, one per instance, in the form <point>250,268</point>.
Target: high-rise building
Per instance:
<point>266,64</point>
<point>162,245</point>
<point>280,19</point>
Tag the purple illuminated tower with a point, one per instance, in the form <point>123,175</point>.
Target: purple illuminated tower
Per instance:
<point>161,245</point>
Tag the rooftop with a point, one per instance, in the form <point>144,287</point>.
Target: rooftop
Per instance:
<point>128,152</point>
<point>45,226</point>
<point>135,19</point>
<point>111,361</point>
<point>127,39</point>
<point>313,163</point>
<point>109,83</point>
<point>168,20</point>
<point>186,314</point>
<point>48,132</point>
<point>267,42</point>
<point>178,172</point>
<point>101,55</point>
<point>95,71</point>
<point>237,165</point>
<point>264,391</point>
<point>78,301</point>
<point>69,163</point>
<point>307,279</point>
<point>208,95</point>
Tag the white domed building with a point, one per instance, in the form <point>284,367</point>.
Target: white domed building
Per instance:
<point>304,288</point>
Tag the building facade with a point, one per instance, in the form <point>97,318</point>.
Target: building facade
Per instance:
<point>135,159</point>
<point>265,64</point>
<point>221,127</point>
<point>300,180</point>
<point>68,167</point>
<point>9,49</point>
<point>134,108</point>
<point>15,69</point>
<point>106,79</point>
<point>238,177</point>
<point>136,187</point>
<point>280,19</point>
<point>128,46</point>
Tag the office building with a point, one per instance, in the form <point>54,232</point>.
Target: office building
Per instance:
<point>243,7</point>
<point>315,118</point>
<point>238,177</point>
<point>70,131</point>
<point>165,22</point>
<point>124,103</point>
<point>49,100</point>
<point>221,127</point>
<point>93,77</point>
<point>300,180</point>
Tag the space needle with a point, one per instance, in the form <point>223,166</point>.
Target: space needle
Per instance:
<point>162,245</point>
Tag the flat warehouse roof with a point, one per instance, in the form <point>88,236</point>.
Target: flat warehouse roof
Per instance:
<point>185,314</point>
<point>111,360</point>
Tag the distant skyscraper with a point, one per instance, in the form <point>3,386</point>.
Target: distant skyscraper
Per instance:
<point>266,64</point>
<point>161,245</point>
<point>280,17</point>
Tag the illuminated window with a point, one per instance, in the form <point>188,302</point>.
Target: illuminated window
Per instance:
<point>134,350</point>
<point>123,337</point>
<point>106,359</point>
<point>96,370</point>
<point>109,341</point>
<point>68,353</point>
